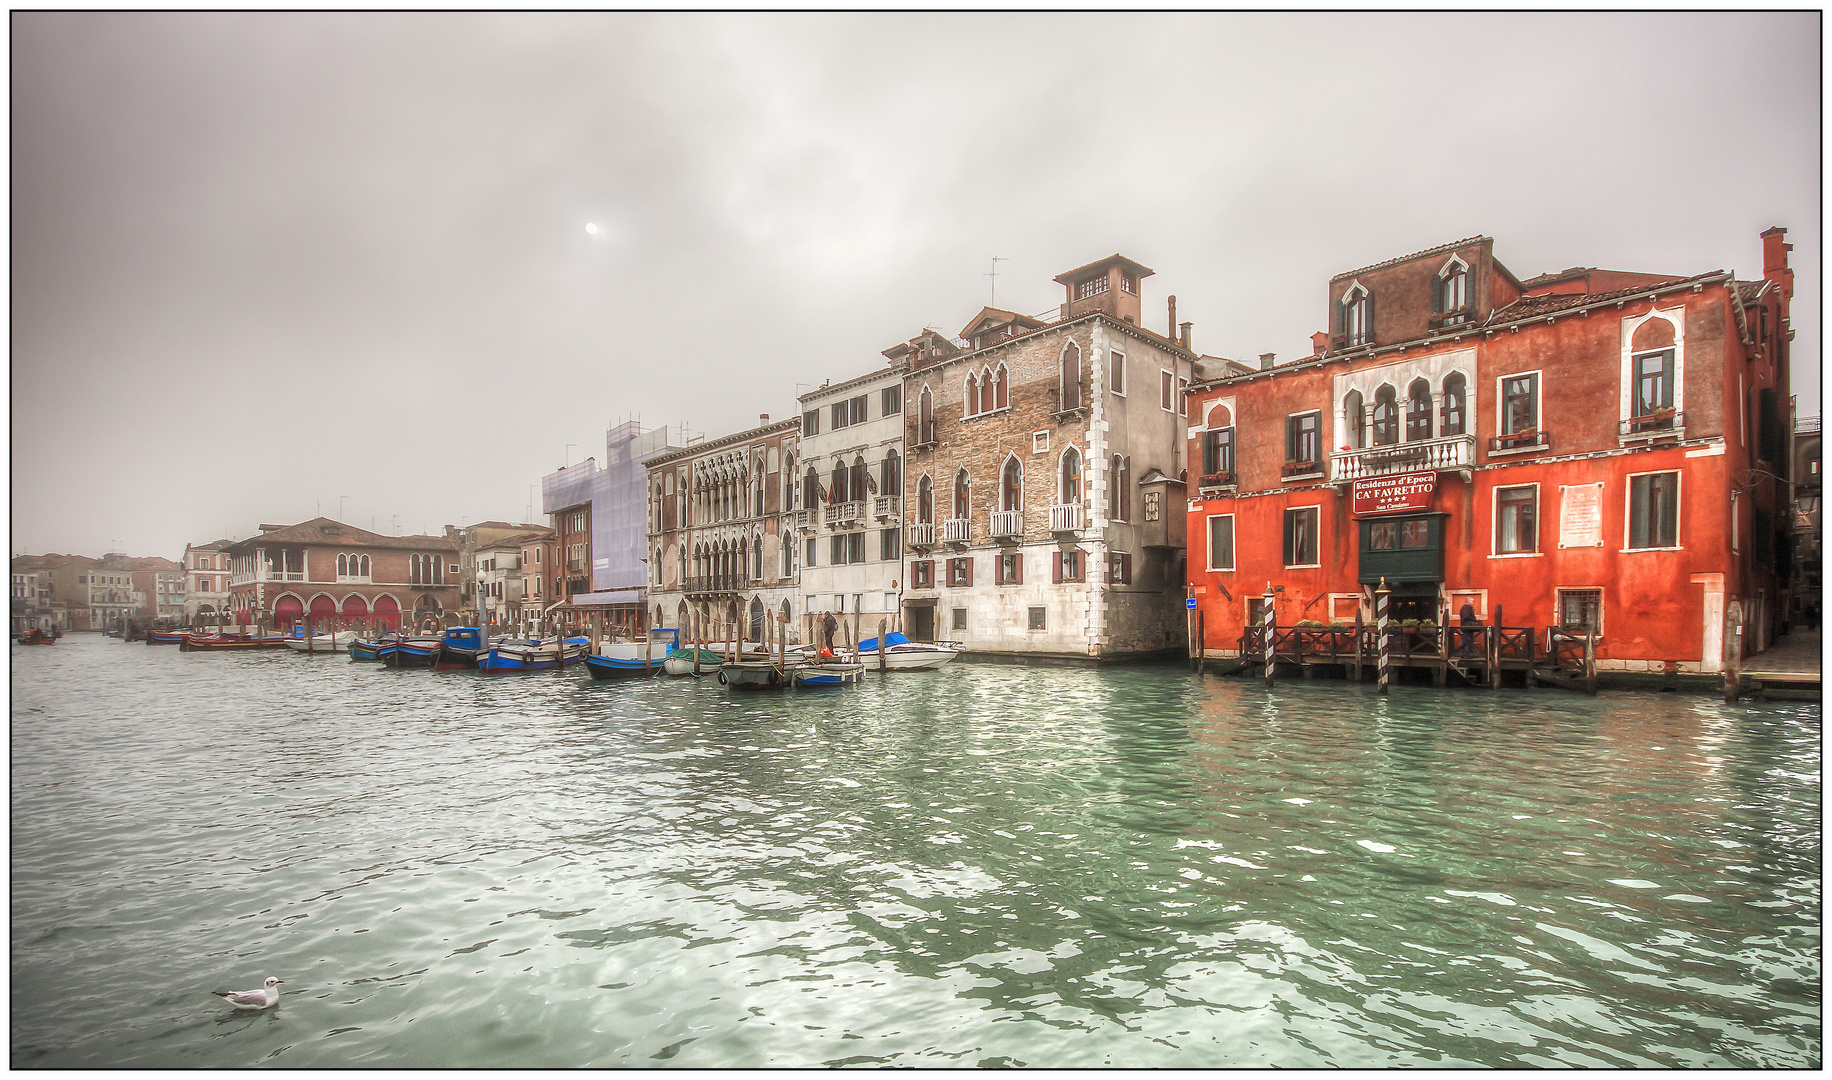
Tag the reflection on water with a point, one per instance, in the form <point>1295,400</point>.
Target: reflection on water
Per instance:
<point>934,868</point>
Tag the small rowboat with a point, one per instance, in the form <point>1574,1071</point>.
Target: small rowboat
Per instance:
<point>35,636</point>
<point>164,637</point>
<point>635,659</point>
<point>831,673</point>
<point>228,643</point>
<point>680,661</point>
<point>370,650</point>
<point>419,651</point>
<point>531,654</point>
<point>322,643</point>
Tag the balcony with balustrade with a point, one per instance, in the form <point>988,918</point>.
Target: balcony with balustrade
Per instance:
<point>1007,524</point>
<point>1444,452</point>
<point>842,515</point>
<point>922,535</point>
<point>807,520</point>
<point>1068,518</point>
<point>887,507</point>
<point>956,531</point>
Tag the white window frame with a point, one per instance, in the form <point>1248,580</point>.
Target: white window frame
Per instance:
<point>1116,362</point>
<point>1318,507</point>
<point>1558,604</point>
<point>1539,402</point>
<point>1040,442</point>
<point>1167,388</point>
<point>1495,551</point>
<point>1676,317</point>
<point>1208,538</point>
<point>1628,511</point>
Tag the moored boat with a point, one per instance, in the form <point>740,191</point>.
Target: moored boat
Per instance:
<point>229,642</point>
<point>322,643</point>
<point>826,673</point>
<point>680,661</point>
<point>634,659</point>
<point>459,647</point>
<point>36,636</point>
<point>414,651</point>
<point>531,654</point>
<point>164,637</point>
<point>755,674</point>
<point>902,654</point>
<point>371,650</point>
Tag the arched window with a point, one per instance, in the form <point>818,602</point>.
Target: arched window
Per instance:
<point>860,489</point>
<point>838,492</point>
<point>970,396</point>
<point>787,549</point>
<point>1451,295</point>
<point>1071,476</point>
<point>1357,316</point>
<point>1069,378</point>
<point>1386,415</point>
<point>1418,411</point>
<point>1453,404</point>
<point>893,474</point>
<point>987,403</point>
<point>343,565</point>
<point>1000,399</point>
<point>757,558</point>
<point>1011,485</point>
<point>1355,417</point>
<point>961,493</point>
<point>658,582</point>
<point>925,417</point>
<point>788,481</point>
<point>925,501</point>
<point>1120,484</point>
<point>811,489</point>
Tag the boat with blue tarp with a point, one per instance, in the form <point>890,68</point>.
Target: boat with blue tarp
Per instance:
<point>627,659</point>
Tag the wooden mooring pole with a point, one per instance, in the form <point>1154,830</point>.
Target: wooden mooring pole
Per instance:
<point>1380,632</point>
<point>1270,621</point>
<point>883,647</point>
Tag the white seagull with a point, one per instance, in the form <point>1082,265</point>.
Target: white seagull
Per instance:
<point>255,999</point>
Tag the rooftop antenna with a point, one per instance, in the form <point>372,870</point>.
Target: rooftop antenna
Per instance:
<point>340,502</point>
<point>569,449</point>
<point>996,260</point>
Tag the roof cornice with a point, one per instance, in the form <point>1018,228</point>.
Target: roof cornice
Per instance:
<point>724,440</point>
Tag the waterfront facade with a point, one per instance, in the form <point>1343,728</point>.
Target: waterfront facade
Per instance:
<point>1045,475</point>
<point>601,520</point>
<point>333,574</point>
<point>1808,490</point>
<point>1591,450</point>
<point>847,489</point>
<point>207,592</point>
<point>717,513</point>
<point>506,577</point>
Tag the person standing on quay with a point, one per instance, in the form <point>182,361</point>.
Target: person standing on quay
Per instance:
<point>828,626</point>
<point>1467,618</point>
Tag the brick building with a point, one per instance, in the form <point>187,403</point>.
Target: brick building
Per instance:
<point>333,574</point>
<point>847,486</point>
<point>512,577</point>
<point>1808,490</point>
<point>1589,449</point>
<point>717,531</point>
<point>1044,484</point>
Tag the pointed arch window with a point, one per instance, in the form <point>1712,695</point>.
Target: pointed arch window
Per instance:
<point>1069,378</point>
<point>1071,476</point>
<point>1355,420</point>
<point>811,489</point>
<point>925,417</point>
<point>1450,293</point>
<point>837,488</point>
<point>788,482</point>
<point>857,481</point>
<point>756,558</point>
<point>925,501</point>
<point>1418,411</point>
<point>343,565</point>
<point>892,480</point>
<point>1386,415</point>
<point>962,491</point>
<point>970,396</point>
<point>1000,398</point>
<point>1453,414</point>
<point>987,396</point>
<point>1357,316</point>
<point>1011,485</point>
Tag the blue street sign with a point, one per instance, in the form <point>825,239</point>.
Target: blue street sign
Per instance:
<point>1190,603</point>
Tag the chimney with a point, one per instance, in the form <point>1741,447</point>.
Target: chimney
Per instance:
<point>763,418</point>
<point>1319,343</point>
<point>1266,361</point>
<point>1172,333</point>
<point>1184,340</point>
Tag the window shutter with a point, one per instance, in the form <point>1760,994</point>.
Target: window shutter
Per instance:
<point>1437,295</point>
<point>1017,568</point>
<point>967,566</point>
<point>1125,569</point>
<point>1056,567</point>
<point>1368,330</point>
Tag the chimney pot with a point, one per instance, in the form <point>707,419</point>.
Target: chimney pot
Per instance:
<point>1267,360</point>
<point>763,418</point>
<point>1173,319</point>
<point>1184,340</point>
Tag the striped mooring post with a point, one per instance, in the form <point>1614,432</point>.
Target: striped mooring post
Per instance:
<point>1380,632</point>
<point>1270,622</point>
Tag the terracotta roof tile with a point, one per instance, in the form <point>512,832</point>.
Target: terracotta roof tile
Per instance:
<point>1440,249</point>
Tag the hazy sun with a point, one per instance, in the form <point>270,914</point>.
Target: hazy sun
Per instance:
<point>591,228</point>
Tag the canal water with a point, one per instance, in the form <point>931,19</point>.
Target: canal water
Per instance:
<point>974,866</point>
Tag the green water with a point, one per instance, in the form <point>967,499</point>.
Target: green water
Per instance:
<point>976,865</point>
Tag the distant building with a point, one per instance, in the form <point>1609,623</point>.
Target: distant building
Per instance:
<point>507,576</point>
<point>716,512</point>
<point>1808,546</point>
<point>207,591</point>
<point>846,481</point>
<point>334,574</point>
<point>1592,450</point>
<point>472,541</point>
<point>600,521</point>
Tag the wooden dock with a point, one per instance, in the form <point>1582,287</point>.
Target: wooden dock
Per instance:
<point>1786,670</point>
<point>1470,656</point>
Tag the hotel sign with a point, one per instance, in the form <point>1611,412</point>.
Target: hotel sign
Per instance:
<point>1393,494</point>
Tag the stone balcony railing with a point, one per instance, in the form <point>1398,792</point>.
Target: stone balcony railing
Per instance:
<point>922,534</point>
<point>887,506</point>
<point>1068,517</point>
<point>956,531</point>
<point>844,513</point>
<point>807,520</point>
<point>1007,523</point>
<point>1446,452</point>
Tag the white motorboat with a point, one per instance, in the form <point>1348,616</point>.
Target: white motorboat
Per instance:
<point>317,643</point>
<point>902,654</point>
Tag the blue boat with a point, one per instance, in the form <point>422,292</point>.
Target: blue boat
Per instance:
<point>531,654</point>
<point>459,648</point>
<point>827,674</point>
<point>419,651</point>
<point>627,659</point>
<point>372,650</point>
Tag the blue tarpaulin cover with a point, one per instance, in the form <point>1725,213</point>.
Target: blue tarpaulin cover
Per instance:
<point>871,644</point>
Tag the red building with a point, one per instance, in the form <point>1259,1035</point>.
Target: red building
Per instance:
<point>1590,449</point>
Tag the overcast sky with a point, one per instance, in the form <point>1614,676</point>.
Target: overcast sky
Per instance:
<point>266,266</point>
